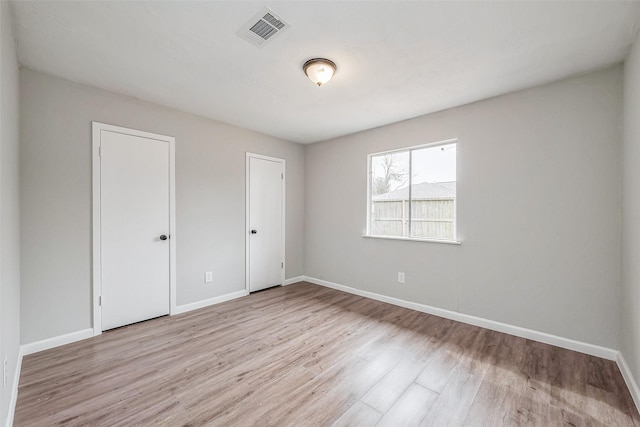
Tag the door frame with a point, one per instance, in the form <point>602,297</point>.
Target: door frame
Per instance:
<point>96,254</point>
<point>247,230</point>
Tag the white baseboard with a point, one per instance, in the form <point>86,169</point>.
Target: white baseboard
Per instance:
<point>207,302</point>
<point>37,346</point>
<point>293,280</point>
<point>14,390</point>
<point>594,350</point>
<point>629,379</point>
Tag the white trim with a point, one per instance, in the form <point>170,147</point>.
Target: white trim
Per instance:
<point>248,157</point>
<point>582,347</point>
<point>247,224</point>
<point>173,280</point>
<point>414,239</point>
<point>48,343</point>
<point>14,390</point>
<point>629,379</point>
<point>293,280</point>
<point>96,254</point>
<point>208,302</point>
<point>97,128</point>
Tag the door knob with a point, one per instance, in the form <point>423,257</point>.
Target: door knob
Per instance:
<point>163,237</point>
<point>254,231</point>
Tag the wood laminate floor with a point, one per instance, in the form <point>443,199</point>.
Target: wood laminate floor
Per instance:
<point>305,355</point>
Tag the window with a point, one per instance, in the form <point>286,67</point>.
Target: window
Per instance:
<point>412,193</point>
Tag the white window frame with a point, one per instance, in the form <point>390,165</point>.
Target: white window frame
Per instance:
<point>370,156</point>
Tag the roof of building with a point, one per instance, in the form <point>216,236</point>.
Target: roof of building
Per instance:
<point>422,191</point>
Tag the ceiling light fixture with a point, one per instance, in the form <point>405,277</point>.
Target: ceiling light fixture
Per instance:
<point>319,70</point>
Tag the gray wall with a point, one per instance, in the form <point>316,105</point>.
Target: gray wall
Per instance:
<point>56,199</point>
<point>539,196</point>
<point>9,209</point>
<point>630,342</point>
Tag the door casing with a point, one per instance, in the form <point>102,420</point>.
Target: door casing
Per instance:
<point>97,128</point>
<point>249,156</point>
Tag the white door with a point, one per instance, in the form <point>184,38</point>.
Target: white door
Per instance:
<point>134,228</point>
<point>265,213</point>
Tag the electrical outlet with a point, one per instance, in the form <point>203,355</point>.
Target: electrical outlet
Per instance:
<point>5,371</point>
<point>400,277</point>
<point>208,277</point>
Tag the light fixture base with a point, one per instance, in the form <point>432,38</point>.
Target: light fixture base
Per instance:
<point>319,70</point>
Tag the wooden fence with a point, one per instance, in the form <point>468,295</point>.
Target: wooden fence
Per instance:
<point>430,219</point>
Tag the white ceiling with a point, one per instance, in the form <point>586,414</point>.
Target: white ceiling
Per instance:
<point>396,60</point>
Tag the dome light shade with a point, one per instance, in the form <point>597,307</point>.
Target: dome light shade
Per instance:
<point>319,70</point>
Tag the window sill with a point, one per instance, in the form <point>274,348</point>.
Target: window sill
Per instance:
<point>413,239</point>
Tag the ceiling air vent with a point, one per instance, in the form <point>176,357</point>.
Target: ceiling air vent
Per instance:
<point>263,28</point>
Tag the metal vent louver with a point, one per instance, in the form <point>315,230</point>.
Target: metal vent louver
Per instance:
<point>263,27</point>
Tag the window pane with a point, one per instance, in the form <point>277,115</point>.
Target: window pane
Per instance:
<point>433,192</point>
<point>390,194</point>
